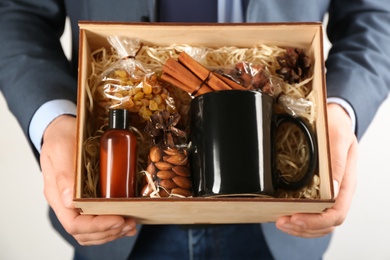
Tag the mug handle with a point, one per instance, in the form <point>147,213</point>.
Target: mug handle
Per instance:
<point>279,181</point>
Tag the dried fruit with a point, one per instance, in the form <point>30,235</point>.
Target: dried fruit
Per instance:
<point>147,87</point>
<point>121,73</point>
<point>138,96</point>
<point>153,106</point>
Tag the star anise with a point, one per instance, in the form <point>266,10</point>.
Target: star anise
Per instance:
<point>249,75</point>
<point>162,128</point>
<point>294,65</point>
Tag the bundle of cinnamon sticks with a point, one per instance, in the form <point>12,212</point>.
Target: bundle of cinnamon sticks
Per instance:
<point>189,75</point>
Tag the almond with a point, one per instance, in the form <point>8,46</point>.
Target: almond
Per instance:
<point>151,168</point>
<point>171,151</point>
<point>166,174</point>
<point>155,154</point>
<point>163,166</point>
<point>181,170</point>
<point>164,193</point>
<point>178,159</point>
<point>144,180</point>
<point>167,184</point>
<point>181,191</point>
<point>182,182</point>
<point>146,190</point>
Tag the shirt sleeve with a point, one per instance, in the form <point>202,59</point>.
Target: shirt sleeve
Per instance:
<point>358,62</point>
<point>347,107</point>
<point>45,115</point>
<point>33,66</point>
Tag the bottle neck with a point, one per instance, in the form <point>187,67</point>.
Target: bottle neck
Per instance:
<point>118,119</point>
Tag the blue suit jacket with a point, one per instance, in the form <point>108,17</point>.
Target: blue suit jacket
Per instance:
<point>34,70</point>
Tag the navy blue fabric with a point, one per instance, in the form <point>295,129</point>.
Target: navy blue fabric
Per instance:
<point>244,241</point>
<point>188,11</point>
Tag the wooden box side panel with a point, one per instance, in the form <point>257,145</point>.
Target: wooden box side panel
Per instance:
<point>82,115</point>
<point>202,211</point>
<point>213,35</point>
<point>326,189</point>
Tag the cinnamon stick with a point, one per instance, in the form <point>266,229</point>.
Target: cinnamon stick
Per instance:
<point>189,75</point>
<point>202,73</point>
<point>178,71</point>
<point>178,75</point>
<point>172,80</point>
<point>231,83</point>
<point>196,68</point>
<point>195,92</point>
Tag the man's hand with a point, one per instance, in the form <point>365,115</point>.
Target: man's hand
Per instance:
<point>57,162</point>
<point>343,149</point>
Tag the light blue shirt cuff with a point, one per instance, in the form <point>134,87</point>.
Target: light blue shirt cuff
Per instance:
<point>45,115</point>
<point>347,107</point>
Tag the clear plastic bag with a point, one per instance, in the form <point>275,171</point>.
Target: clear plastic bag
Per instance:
<point>298,107</point>
<point>256,77</point>
<point>128,84</point>
<point>249,75</point>
<point>168,172</point>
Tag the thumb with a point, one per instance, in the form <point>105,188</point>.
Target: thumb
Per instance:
<point>57,159</point>
<point>341,139</point>
<point>67,197</point>
<point>336,187</point>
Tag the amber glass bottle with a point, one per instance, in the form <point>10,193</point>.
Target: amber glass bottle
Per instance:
<point>118,159</point>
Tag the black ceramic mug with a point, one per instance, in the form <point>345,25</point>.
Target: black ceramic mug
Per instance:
<point>232,135</point>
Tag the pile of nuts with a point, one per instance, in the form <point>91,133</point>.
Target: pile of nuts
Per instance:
<point>170,173</point>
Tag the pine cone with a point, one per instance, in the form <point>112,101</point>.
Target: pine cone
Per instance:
<point>294,65</point>
<point>162,128</point>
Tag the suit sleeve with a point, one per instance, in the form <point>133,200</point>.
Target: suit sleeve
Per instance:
<point>33,67</point>
<point>359,60</point>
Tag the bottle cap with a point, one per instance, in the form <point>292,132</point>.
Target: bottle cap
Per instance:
<point>118,119</point>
